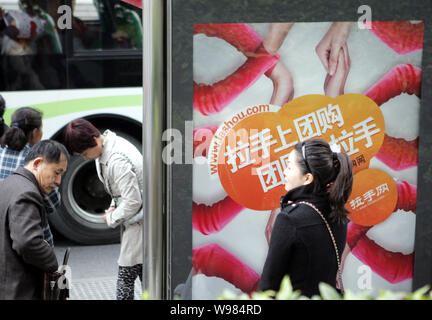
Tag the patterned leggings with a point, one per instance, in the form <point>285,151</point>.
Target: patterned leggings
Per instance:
<point>126,281</point>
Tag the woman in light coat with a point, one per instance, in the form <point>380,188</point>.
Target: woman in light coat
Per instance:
<point>119,167</point>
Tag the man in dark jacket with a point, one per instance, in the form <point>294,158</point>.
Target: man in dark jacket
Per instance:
<point>24,254</point>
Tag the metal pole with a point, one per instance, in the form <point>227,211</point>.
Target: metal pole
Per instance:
<point>153,90</point>
<point>168,189</point>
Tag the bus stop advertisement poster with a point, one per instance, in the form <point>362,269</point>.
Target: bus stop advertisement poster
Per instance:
<point>252,105</point>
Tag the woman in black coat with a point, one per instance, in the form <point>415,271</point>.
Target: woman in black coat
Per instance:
<point>301,245</point>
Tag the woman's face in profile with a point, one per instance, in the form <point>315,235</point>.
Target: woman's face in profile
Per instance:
<point>93,152</point>
<point>292,174</point>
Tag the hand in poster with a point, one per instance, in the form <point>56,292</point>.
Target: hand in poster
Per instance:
<point>262,58</point>
<point>276,36</point>
<point>330,45</point>
<point>283,85</point>
<point>334,85</point>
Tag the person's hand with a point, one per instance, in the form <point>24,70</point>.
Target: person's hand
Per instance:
<point>283,85</point>
<point>330,45</point>
<point>276,36</point>
<point>270,223</point>
<point>335,85</point>
<point>108,212</point>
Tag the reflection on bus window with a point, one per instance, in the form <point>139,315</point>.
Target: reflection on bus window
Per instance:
<point>106,24</point>
<point>27,34</point>
<point>37,53</point>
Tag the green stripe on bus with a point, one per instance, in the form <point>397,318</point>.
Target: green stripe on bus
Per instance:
<point>59,108</point>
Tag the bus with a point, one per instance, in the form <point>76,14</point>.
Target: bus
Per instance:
<point>75,59</point>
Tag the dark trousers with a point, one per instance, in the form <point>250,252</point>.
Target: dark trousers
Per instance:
<point>126,281</point>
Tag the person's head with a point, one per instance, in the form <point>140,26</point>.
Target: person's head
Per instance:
<point>84,139</point>
<point>2,106</point>
<point>2,110</point>
<point>323,172</point>
<point>26,127</point>
<point>47,160</point>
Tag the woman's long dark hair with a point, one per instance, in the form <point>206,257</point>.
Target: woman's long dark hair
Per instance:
<point>23,122</point>
<point>332,174</point>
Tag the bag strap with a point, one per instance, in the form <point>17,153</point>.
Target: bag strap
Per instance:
<point>128,160</point>
<point>66,256</point>
<point>134,170</point>
<point>339,272</point>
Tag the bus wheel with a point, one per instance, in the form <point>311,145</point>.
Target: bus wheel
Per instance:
<point>84,201</point>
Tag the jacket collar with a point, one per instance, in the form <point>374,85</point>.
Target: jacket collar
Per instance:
<point>29,176</point>
<point>301,194</point>
<point>108,146</point>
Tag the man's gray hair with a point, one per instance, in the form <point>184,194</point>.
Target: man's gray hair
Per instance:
<point>49,150</point>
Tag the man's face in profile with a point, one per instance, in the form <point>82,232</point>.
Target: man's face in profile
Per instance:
<point>49,174</point>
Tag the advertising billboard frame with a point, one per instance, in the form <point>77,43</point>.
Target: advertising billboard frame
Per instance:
<point>186,13</point>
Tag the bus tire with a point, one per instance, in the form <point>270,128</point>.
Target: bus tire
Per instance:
<point>84,200</point>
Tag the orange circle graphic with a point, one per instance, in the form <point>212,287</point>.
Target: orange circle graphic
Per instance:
<point>373,198</point>
<point>253,150</point>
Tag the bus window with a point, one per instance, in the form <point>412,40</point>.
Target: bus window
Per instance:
<point>29,43</point>
<point>106,25</point>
